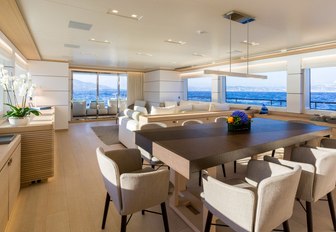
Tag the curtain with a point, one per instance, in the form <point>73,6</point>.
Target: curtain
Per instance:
<point>135,91</point>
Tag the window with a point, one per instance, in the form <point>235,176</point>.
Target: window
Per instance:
<point>199,89</point>
<point>92,86</point>
<point>323,88</point>
<point>253,91</point>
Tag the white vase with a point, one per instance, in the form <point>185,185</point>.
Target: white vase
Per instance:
<point>14,121</point>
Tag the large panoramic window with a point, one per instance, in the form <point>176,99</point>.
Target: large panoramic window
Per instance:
<point>253,91</point>
<point>199,89</point>
<point>323,88</point>
<point>101,87</point>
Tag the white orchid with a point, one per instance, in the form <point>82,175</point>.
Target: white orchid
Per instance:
<point>14,86</point>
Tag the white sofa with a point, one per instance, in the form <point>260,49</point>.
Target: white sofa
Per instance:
<point>171,116</point>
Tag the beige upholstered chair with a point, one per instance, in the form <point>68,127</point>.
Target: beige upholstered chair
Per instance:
<point>221,119</point>
<point>191,122</point>
<point>261,202</point>
<point>79,108</point>
<point>152,160</point>
<point>102,110</point>
<point>318,177</point>
<point>129,186</point>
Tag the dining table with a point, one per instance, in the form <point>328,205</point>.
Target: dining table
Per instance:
<point>189,149</point>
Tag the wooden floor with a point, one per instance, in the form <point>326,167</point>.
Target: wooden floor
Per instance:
<point>73,199</point>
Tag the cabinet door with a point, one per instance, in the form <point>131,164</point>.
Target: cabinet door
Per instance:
<point>3,197</point>
<point>14,166</point>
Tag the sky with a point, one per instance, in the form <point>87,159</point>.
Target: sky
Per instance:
<point>274,79</point>
<point>110,80</point>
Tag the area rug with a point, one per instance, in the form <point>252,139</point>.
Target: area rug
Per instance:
<point>107,134</point>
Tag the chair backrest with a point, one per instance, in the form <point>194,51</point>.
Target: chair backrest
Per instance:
<point>191,122</point>
<point>221,119</point>
<point>153,125</point>
<point>324,161</point>
<point>277,186</point>
<point>328,143</point>
<point>112,165</point>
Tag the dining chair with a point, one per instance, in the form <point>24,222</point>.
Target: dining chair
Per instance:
<point>152,160</point>
<point>129,186</point>
<point>251,204</point>
<point>294,121</point>
<point>223,119</point>
<point>191,122</point>
<point>318,177</point>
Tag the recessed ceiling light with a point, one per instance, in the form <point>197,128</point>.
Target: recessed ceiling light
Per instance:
<point>99,41</point>
<point>201,32</point>
<point>250,43</point>
<point>116,13</point>
<point>198,54</point>
<point>143,54</point>
<point>175,41</point>
<point>235,52</point>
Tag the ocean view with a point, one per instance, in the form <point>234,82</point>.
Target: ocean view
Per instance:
<point>319,100</point>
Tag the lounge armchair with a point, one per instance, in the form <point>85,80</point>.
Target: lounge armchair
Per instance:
<point>79,108</point>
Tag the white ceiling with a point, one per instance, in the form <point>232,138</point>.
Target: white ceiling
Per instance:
<point>279,25</point>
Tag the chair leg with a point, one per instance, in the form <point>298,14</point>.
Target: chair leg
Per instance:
<point>309,216</point>
<point>164,216</point>
<point>106,208</point>
<point>143,212</point>
<point>208,222</point>
<point>200,178</point>
<point>273,153</point>
<point>285,225</point>
<point>332,209</point>
<point>223,168</point>
<point>123,223</point>
<point>235,166</point>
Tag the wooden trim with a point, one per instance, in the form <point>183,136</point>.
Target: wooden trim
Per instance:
<point>100,69</point>
<point>13,25</point>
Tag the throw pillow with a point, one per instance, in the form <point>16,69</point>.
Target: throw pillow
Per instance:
<point>140,103</point>
<point>170,103</point>
<point>219,106</point>
<point>132,114</point>
<point>163,110</point>
<point>141,109</point>
<point>201,107</point>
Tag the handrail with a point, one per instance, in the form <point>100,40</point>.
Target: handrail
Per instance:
<point>271,101</point>
<point>281,103</point>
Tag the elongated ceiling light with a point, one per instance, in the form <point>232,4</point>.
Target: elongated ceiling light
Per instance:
<point>243,19</point>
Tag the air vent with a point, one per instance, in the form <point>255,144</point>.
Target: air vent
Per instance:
<point>239,17</point>
<point>79,25</point>
<point>71,46</point>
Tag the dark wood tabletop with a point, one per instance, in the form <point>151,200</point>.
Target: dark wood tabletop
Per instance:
<point>207,145</point>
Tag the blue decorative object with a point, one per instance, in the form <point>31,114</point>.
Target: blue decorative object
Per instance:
<point>264,109</point>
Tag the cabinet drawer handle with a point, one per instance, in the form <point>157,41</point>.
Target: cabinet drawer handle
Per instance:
<point>10,161</point>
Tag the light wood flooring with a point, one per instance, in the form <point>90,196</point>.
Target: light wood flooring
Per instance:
<point>73,199</point>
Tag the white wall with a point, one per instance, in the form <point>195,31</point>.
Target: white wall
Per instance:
<point>162,85</point>
<point>53,79</point>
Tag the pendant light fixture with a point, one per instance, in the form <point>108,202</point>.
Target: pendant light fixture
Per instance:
<point>243,19</point>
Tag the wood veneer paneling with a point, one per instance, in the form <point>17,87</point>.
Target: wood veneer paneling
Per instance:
<point>13,25</point>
